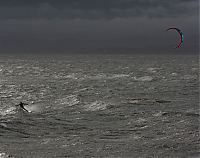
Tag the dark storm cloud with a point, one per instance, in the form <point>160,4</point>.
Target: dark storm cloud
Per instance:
<point>94,9</point>
<point>58,25</point>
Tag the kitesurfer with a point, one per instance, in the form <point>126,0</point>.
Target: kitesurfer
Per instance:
<point>21,105</point>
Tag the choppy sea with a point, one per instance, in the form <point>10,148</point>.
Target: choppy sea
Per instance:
<point>113,106</point>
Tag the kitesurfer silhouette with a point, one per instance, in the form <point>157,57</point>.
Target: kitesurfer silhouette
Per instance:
<point>21,105</point>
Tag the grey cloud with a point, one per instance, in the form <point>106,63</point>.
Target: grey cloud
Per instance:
<point>95,9</point>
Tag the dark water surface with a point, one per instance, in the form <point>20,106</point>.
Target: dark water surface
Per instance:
<point>100,106</point>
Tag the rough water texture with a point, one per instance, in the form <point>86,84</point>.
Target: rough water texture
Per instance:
<point>100,106</point>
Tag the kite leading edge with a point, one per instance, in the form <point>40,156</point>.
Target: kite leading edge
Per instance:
<point>181,36</point>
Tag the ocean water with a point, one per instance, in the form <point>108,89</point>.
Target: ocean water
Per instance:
<point>100,106</point>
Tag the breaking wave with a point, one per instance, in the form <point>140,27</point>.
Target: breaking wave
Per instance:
<point>69,100</point>
<point>95,106</point>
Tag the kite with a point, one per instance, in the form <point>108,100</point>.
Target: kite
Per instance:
<point>181,36</point>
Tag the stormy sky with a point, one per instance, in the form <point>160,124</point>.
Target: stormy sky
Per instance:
<point>59,26</point>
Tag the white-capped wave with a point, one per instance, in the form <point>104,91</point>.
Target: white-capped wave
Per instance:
<point>19,67</point>
<point>105,76</point>
<point>69,100</point>
<point>81,90</point>
<point>188,77</point>
<point>95,106</point>
<point>174,74</point>
<point>153,69</point>
<point>195,69</point>
<point>3,155</point>
<point>74,76</point>
<point>158,114</point>
<point>144,78</point>
<point>3,125</point>
<point>7,111</point>
<point>118,76</point>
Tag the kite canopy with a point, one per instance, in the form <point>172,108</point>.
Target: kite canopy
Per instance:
<point>181,36</point>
